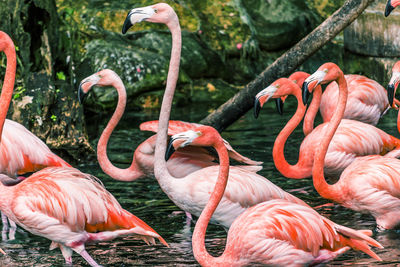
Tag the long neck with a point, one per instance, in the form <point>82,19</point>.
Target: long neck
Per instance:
<point>308,124</point>
<point>160,165</point>
<point>323,188</point>
<point>8,85</point>
<point>198,240</point>
<point>278,153</point>
<point>398,120</point>
<point>128,174</point>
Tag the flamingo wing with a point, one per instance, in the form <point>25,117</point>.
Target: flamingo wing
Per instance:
<point>60,202</point>
<point>276,231</point>
<point>244,189</point>
<point>21,151</point>
<point>175,127</point>
<point>367,100</point>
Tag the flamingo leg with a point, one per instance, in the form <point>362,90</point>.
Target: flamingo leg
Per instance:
<point>88,258</point>
<point>67,253</point>
<point>189,218</point>
<point>13,229</point>
<point>4,231</point>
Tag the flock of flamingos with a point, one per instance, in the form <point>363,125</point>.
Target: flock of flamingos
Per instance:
<point>265,224</point>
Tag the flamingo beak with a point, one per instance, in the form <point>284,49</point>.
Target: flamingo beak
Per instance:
<point>390,94</point>
<point>180,140</point>
<point>170,150</point>
<point>305,93</point>
<point>262,97</point>
<point>257,107</point>
<point>81,92</point>
<point>137,15</point>
<point>389,8</point>
<point>279,105</point>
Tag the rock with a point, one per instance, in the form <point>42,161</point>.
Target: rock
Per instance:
<point>278,24</point>
<point>372,34</point>
<point>53,114</point>
<point>141,60</point>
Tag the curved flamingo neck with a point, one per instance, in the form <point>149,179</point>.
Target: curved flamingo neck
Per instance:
<point>9,79</point>
<point>160,165</point>
<point>132,172</point>
<point>398,120</point>
<point>278,153</point>
<point>198,239</point>
<point>323,188</point>
<point>308,125</point>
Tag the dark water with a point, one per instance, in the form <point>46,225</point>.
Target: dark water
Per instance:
<point>144,198</point>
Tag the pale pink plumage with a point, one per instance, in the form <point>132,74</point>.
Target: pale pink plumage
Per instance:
<point>70,208</point>
<point>186,161</point>
<point>276,232</point>
<point>21,151</point>
<point>352,139</point>
<point>367,100</point>
<point>369,184</point>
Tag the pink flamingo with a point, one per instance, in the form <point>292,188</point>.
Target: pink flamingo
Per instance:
<point>367,101</point>
<point>186,160</point>
<point>352,140</point>
<point>275,232</point>
<point>70,208</point>
<point>370,184</point>
<point>191,192</point>
<point>21,151</point>
<point>390,5</point>
<point>63,204</point>
<point>391,90</point>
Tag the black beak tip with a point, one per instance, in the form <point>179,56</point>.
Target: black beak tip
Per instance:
<point>127,24</point>
<point>390,94</point>
<point>257,108</point>
<point>306,93</point>
<point>389,8</point>
<point>279,105</point>
<point>81,94</point>
<point>170,151</point>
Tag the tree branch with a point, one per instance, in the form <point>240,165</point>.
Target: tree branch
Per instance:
<point>243,101</point>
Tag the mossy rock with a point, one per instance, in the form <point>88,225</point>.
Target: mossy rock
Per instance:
<point>141,60</point>
<point>279,24</point>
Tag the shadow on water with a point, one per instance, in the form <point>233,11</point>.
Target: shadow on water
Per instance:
<point>253,138</point>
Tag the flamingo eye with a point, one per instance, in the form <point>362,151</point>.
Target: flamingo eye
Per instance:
<point>155,10</point>
<point>326,70</point>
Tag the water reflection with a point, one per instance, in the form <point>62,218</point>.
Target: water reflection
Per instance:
<point>253,138</point>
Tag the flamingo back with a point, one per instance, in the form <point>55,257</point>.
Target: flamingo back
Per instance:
<point>280,232</point>
<point>75,200</point>
<point>367,100</point>
<point>21,151</point>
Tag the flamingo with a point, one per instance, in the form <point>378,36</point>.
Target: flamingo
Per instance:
<point>191,193</point>
<point>390,5</point>
<point>186,161</point>
<point>70,208</point>
<point>21,151</point>
<point>370,184</point>
<point>276,232</point>
<point>352,140</point>
<point>391,89</point>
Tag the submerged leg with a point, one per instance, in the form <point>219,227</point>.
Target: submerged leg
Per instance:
<point>88,258</point>
<point>67,253</point>
<point>189,218</point>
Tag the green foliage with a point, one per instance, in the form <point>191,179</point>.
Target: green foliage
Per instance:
<point>324,8</point>
<point>61,75</point>
<point>18,92</point>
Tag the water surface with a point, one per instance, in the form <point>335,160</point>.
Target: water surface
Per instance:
<point>144,198</point>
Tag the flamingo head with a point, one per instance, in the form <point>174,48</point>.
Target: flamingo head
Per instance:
<point>158,13</point>
<point>201,136</point>
<point>326,73</point>
<point>102,78</point>
<point>390,6</point>
<point>393,83</point>
<point>279,90</point>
